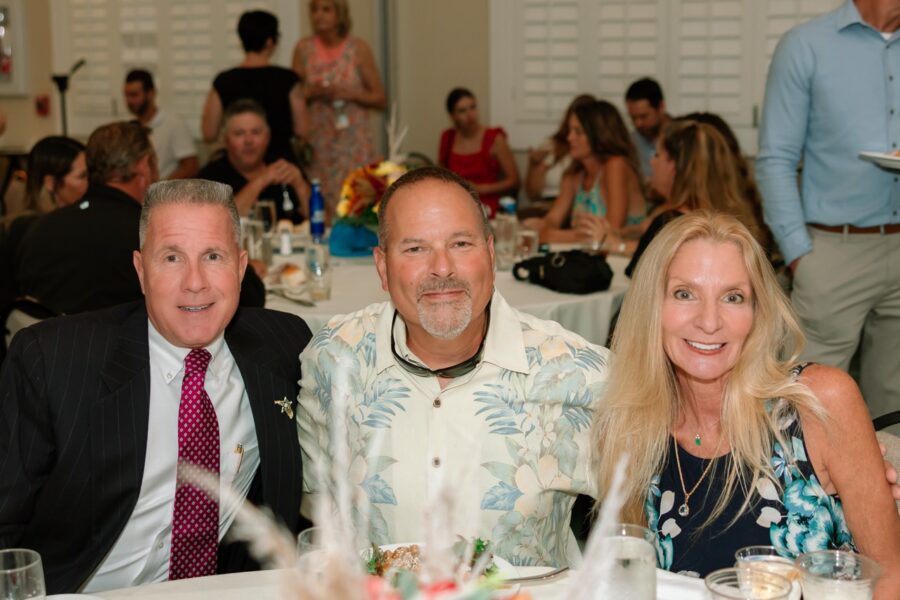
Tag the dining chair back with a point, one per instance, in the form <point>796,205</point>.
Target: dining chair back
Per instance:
<point>24,312</point>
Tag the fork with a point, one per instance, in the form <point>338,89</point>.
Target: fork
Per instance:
<point>542,577</point>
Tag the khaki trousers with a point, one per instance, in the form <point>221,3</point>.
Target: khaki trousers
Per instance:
<point>847,294</point>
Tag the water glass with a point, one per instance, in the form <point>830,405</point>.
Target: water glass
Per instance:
<point>634,574</point>
<point>318,266</point>
<point>742,583</point>
<point>309,540</point>
<point>266,213</point>
<point>527,244</point>
<point>832,574</point>
<point>256,241</point>
<point>21,575</point>
<point>505,228</point>
<point>767,559</point>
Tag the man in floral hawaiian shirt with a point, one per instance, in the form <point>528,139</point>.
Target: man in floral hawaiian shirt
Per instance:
<point>448,381</point>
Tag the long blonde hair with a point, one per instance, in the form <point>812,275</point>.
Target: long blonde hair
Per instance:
<point>642,401</point>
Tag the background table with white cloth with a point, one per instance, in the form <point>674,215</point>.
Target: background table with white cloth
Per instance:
<point>355,285</point>
<point>265,585</point>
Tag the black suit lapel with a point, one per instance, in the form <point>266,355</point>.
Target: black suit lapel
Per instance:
<point>119,426</point>
<point>276,431</point>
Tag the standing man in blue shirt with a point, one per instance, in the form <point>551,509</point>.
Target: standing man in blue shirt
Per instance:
<point>833,92</point>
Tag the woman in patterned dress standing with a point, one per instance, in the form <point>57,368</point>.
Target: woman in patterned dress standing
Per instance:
<point>341,82</point>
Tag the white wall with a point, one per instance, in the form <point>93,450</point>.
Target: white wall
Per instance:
<point>24,126</point>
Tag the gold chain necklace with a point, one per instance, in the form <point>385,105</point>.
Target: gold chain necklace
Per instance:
<point>684,510</point>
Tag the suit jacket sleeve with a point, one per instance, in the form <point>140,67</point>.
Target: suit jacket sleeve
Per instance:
<point>27,449</point>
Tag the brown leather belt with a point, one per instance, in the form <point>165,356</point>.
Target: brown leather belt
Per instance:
<point>892,228</point>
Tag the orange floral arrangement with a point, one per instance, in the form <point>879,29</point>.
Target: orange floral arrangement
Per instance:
<point>362,190</point>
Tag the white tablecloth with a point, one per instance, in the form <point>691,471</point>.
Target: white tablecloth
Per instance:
<point>264,585</point>
<point>355,285</point>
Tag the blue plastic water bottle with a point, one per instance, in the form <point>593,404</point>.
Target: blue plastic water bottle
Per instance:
<point>316,213</point>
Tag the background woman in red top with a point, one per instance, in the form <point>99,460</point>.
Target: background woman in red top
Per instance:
<point>478,153</point>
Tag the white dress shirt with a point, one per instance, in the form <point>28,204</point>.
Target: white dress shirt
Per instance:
<point>171,140</point>
<point>141,554</point>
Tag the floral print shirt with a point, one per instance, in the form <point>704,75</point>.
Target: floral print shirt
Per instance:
<point>512,434</point>
<point>795,516</point>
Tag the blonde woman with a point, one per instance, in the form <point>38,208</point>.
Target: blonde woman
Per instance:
<point>732,442</point>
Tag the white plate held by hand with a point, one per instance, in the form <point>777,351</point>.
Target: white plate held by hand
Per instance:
<point>887,161</point>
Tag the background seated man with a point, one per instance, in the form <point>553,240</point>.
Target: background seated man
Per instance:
<point>243,166</point>
<point>99,410</point>
<point>451,380</point>
<point>78,258</point>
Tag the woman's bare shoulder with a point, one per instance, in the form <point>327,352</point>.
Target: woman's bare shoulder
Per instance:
<point>837,393</point>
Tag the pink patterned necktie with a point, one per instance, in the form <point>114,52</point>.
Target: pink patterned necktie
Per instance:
<point>195,523</point>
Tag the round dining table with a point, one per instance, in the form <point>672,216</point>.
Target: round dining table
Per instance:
<point>267,585</point>
<point>355,285</point>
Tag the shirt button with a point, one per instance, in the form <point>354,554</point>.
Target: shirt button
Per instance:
<point>437,401</point>
<point>160,544</point>
<point>435,462</point>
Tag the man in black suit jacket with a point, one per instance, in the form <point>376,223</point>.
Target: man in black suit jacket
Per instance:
<point>78,258</point>
<point>85,399</point>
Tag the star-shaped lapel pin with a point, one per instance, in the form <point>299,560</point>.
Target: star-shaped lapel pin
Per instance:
<point>286,407</point>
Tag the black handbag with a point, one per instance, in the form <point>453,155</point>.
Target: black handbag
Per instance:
<point>570,272</point>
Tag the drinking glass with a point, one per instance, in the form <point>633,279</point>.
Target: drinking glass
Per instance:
<point>634,574</point>
<point>255,241</point>
<point>527,244</point>
<point>742,583</point>
<point>505,228</point>
<point>309,540</point>
<point>833,574</point>
<point>21,575</point>
<point>767,558</point>
<point>318,266</point>
<point>265,211</point>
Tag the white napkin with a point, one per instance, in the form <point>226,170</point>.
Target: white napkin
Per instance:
<point>672,586</point>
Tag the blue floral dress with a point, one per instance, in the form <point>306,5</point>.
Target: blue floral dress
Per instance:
<point>798,517</point>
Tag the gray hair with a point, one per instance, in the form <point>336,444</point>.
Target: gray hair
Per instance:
<point>189,191</point>
<point>243,106</point>
<point>424,174</point>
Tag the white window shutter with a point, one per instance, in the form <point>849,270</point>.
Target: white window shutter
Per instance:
<point>629,43</point>
<point>184,44</point>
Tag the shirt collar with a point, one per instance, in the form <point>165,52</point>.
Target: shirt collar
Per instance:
<point>848,15</point>
<point>504,346</point>
<point>169,359</point>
